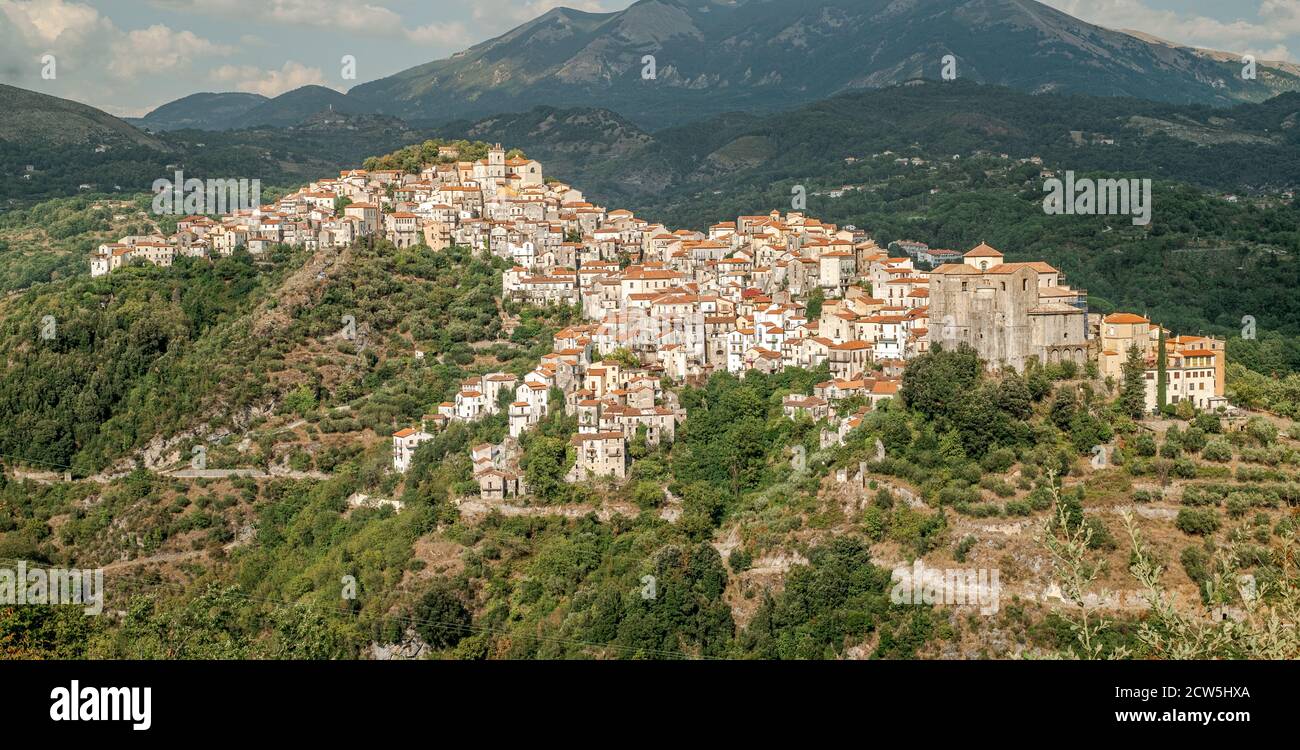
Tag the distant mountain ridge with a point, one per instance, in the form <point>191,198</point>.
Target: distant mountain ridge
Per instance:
<point>1243,147</point>
<point>204,111</point>
<point>52,147</point>
<point>713,56</point>
<point>235,110</point>
<point>293,107</point>
<point>760,56</point>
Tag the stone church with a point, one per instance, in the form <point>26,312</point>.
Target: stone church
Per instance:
<point>1008,312</point>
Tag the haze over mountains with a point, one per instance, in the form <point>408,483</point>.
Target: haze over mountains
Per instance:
<point>737,85</point>
<point>1249,146</point>
<point>714,56</point>
<point>235,110</point>
<point>203,111</point>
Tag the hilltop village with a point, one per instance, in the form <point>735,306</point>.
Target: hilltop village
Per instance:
<point>763,292</point>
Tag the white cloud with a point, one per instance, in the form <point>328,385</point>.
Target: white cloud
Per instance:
<point>1282,14</point>
<point>158,48</point>
<point>96,61</point>
<point>374,17</point>
<point>1265,40</point>
<point>502,15</point>
<point>340,15</point>
<point>269,82</point>
<point>44,22</point>
<point>439,33</point>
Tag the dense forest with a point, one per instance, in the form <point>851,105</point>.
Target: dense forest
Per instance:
<point>276,156</point>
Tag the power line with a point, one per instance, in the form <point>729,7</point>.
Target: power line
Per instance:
<point>24,459</point>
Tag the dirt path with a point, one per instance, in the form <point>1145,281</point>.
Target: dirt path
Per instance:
<point>476,509</point>
<point>50,477</point>
<point>162,557</point>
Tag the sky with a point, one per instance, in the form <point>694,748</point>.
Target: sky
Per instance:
<point>130,56</point>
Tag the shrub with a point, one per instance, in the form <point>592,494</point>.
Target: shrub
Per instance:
<point>1261,431</point>
<point>1145,445</point>
<point>1147,496</point>
<point>1200,521</point>
<point>1101,537</point>
<point>1208,422</point>
<point>1217,449</point>
<point>875,522</point>
<point>1019,508</point>
<point>997,486</point>
<point>739,560</point>
<point>1196,563</point>
<point>1197,496</point>
<point>998,461</point>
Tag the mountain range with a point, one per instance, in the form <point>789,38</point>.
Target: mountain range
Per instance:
<point>715,56</point>
<point>231,111</point>
<point>1249,146</point>
<point>1244,147</point>
<point>741,88</point>
<point>204,111</point>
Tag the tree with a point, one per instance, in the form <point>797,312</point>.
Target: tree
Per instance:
<point>1063,407</point>
<point>441,618</point>
<point>936,382</point>
<point>1133,393</point>
<point>624,357</point>
<point>815,300</point>
<point>545,461</point>
<point>1162,374</point>
<point>1013,397</point>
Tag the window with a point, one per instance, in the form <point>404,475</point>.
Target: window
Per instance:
<point>1024,285</point>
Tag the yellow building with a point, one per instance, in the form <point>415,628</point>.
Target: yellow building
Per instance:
<point>1194,365</point>
<point>1119,333</point>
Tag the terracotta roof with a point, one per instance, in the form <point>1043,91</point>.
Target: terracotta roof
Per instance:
<point>1125,318</point>
<point>983,250</point>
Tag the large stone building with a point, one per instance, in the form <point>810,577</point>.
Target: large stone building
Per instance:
<point>1008,312</point>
